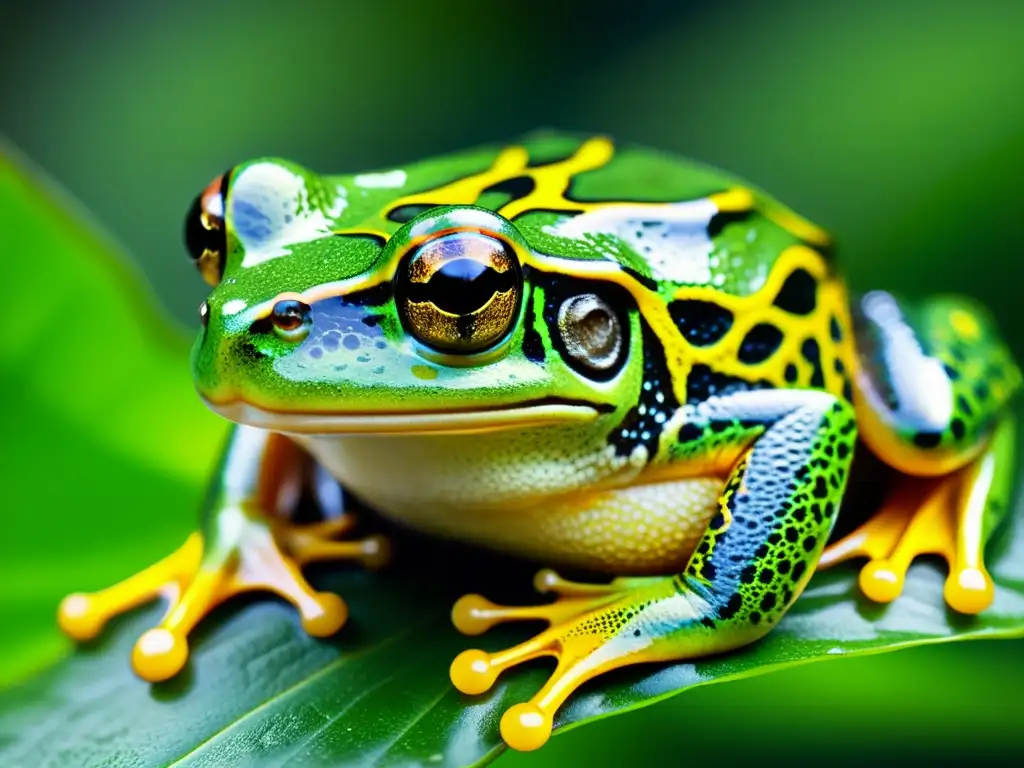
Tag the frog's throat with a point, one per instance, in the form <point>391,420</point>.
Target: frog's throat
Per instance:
<point>545,412</point>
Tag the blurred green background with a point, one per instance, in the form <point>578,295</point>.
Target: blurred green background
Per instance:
<point>898,126</point>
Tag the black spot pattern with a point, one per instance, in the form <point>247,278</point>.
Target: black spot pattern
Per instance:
<point>781,502</point>
<point>812,353</point>
<point>703,383</point>
<point>406,213</point>
<point>798,295</point>
<point>533,344</point>
<point>702,323</point>
<point>644,422</point>
<point>835,330</point>
<point>760,343</point>
<point>512,189</point>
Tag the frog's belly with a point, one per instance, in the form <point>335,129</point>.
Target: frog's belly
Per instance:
<point>583,507</point>
<point>644,529</point>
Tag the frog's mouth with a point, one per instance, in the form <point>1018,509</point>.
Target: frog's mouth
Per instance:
<point>536,413</point>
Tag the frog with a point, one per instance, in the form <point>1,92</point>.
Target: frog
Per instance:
<point>596,356</point>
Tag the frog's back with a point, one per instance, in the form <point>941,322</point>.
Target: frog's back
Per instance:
<point>747,286</point>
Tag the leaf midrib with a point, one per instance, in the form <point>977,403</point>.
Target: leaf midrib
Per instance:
<point>294,688</point>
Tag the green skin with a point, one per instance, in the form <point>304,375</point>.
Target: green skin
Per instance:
<point>791,424</point>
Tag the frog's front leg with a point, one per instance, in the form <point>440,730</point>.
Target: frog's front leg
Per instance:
<point>246,543</point>
<point>776,511</point>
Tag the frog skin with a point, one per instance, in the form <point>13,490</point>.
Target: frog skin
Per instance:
<point>598,357</point>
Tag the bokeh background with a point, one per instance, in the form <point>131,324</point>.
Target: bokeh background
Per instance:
<point>899,126</point>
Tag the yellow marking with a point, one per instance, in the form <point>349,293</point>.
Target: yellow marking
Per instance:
<point>965,324</point>
<point>735,200</point>
<point>424,372</point>
<point>550,184</point>
<point>796,225</point>
<point>551,181</point>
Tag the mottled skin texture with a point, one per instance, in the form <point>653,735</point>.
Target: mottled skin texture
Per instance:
<point>717,391</point>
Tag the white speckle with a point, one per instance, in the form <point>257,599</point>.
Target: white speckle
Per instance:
<point>233,307</point>
<point>835,651</point>
<point>684,248</point>
<point>386,180</point>
<point>270,211</point>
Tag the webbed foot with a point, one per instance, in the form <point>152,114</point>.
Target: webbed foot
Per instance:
<point>585,636</point>
<point>257,554</point>
<point>952,516</point>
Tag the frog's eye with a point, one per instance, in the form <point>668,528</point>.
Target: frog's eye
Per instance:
<point>460,292</point>
<point>205,236</point>
<point>592,333</point>
<point>291,319</point>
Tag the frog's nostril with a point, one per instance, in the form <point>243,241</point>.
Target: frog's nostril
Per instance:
<point>291,319</point>
<point>204,314</point>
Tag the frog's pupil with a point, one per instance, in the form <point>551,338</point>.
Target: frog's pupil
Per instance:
<point>460,273</point>
<point>463,286</point>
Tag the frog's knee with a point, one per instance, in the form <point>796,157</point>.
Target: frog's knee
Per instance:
<point>933,379</point>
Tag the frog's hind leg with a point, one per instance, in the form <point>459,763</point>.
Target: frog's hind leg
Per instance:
<point>774,513</point>
<point>246,543</point>
<point>953,515</point>
<point>931,393</point>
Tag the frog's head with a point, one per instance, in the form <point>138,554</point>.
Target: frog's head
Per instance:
<point>325,317</point>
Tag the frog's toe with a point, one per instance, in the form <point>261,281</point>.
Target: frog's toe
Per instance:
<point>82,616</point>
<point>474,614</point>
<point>969,590</point>
<point>880,582</point>
<point>923,517</point>
<point>526,727</point>
<point>472,672</point>
<point>324,614</point>
<point>79,617</point>
<point>313,543</point>
<point>159,655</point>
<point>587,636</point>
<point>584,647</point>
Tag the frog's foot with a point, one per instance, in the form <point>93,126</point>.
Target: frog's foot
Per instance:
<point>924,516</point>
<point>583,636</point>
<point>261,555</point>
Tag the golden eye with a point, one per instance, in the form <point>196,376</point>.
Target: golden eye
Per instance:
<point>205,236</point>
<point>460,292</point>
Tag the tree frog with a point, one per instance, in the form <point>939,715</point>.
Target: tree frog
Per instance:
<point>600,357</point>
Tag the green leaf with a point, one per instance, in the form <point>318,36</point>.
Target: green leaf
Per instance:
<point>106,446</point>
<point>258,690</point>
